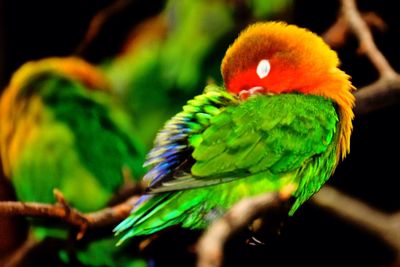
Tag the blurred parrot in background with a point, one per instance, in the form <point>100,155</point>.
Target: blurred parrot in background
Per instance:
<point>281,123</point>
<point>61,128</point>
<point>170,57</point>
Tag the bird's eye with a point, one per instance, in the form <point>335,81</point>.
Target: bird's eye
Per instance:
<point>263,68</point>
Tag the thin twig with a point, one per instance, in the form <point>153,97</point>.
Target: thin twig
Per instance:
<point>98,21</point>
<point>111,215</point>
<point>210,246</point>
<point>337,34</point>
<point>385,226</point>
<point>363,33</point>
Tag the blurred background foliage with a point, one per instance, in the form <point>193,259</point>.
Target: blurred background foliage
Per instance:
<point>159,54</point>
<point>169,57</point>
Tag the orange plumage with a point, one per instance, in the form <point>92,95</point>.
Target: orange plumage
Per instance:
<point>300,62</point>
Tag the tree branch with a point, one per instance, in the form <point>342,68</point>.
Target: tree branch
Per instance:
<point>61,210</point>
<point>111,215</point>
<point>337,34</point>
<point>386,90</point>
<point>383,225</point>
<point>363,33</point>
<point>210,246</point>
<point>382,93</point>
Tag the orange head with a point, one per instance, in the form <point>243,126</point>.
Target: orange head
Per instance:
<point>275,57</point>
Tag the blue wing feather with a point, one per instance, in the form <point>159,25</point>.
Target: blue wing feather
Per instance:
<point>171,156</point>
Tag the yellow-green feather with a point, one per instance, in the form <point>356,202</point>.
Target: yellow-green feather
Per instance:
<point>76,140</point>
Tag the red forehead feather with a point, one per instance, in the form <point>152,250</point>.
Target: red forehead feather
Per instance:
<point>296,46</point>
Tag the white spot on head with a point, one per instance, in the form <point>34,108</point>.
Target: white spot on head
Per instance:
<point>263,68</point>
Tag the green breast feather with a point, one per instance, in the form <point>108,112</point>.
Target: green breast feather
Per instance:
<point>206,159</point>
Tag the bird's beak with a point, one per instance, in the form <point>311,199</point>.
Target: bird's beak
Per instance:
<point>244,94</point>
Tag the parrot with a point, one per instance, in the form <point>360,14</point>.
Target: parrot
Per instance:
<point>281,122</point>
<point>61,128</point>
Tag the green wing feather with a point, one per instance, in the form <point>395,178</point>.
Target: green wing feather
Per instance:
<point>275,133</point>
<point>247,148</point>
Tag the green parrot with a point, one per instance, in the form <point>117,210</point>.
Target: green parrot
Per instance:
<point>281,123</point>
<point>61,128</point>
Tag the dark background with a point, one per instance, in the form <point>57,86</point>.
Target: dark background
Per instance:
<point>35,29</point>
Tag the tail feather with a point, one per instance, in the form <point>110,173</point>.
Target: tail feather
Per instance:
<point>152,215</point>
<point>143,207</point>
